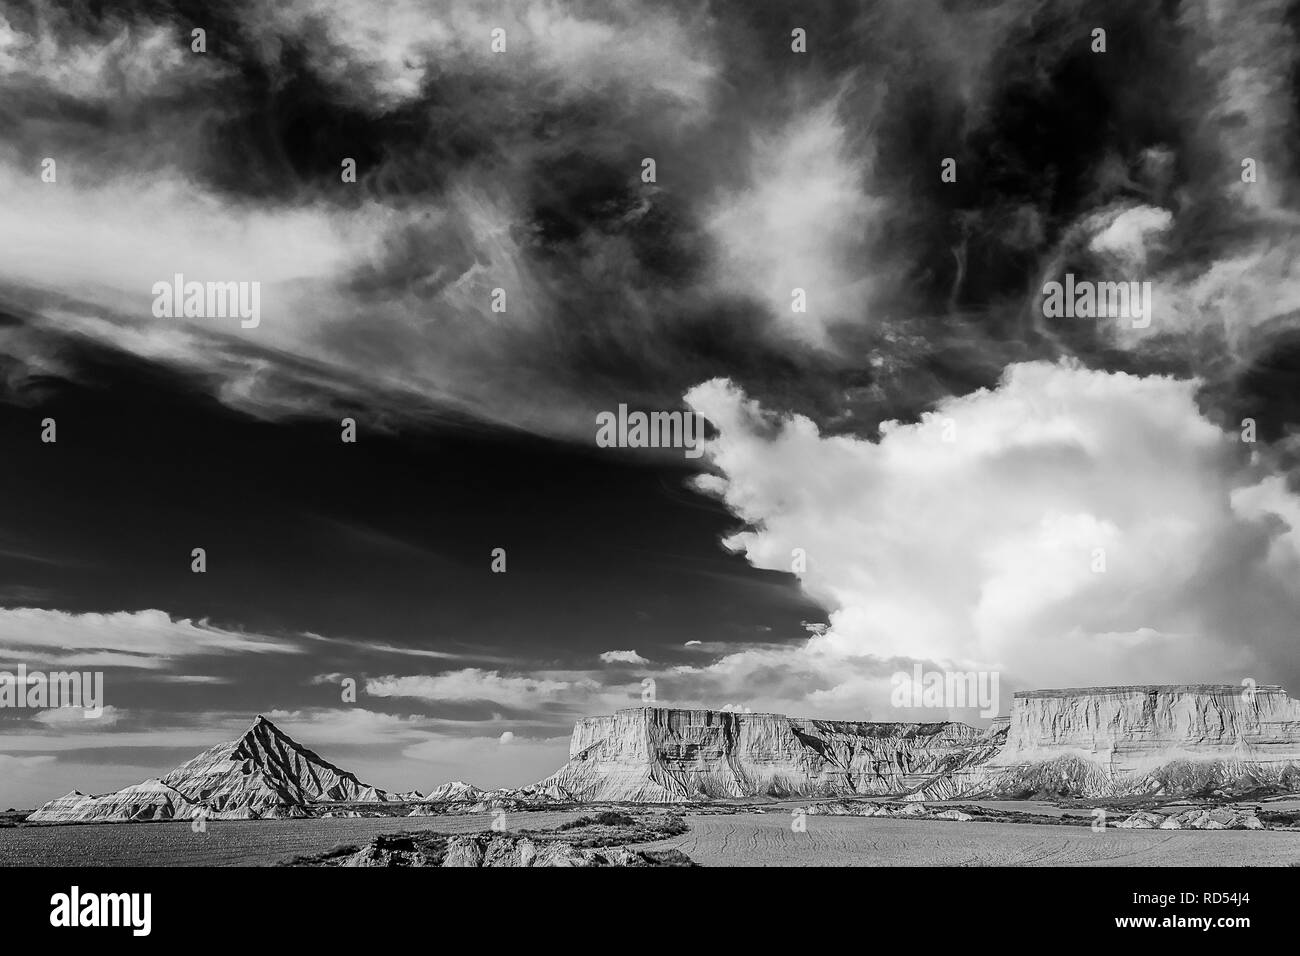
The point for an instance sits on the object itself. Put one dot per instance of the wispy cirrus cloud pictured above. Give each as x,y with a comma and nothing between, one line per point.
147,639
475,684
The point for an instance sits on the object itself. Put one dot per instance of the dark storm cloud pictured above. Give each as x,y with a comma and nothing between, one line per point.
521,171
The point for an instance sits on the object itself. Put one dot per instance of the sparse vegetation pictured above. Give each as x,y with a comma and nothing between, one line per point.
334,852
607,818
1279,818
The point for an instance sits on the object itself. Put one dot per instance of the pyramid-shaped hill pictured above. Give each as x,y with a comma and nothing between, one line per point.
265,773
262,774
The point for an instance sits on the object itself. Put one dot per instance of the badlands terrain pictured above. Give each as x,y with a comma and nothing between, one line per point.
1165,741
1147,775
746,836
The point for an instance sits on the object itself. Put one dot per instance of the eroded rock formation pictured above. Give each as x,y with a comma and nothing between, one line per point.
261,774
1195,818
658,755
1165,740
456,790
265,771
1170,740
150,800
1159,741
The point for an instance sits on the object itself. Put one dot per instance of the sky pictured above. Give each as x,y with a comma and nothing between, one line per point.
922,466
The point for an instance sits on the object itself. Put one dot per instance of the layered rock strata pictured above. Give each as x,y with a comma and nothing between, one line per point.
261,774
658,755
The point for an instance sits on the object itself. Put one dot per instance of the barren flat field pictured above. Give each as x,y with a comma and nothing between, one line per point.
226,842
767,840
745,839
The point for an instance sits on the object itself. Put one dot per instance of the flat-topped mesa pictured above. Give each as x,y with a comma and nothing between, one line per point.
664,755
1106,719
1156,739
1171,740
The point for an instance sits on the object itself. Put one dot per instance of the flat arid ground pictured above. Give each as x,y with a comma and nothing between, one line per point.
741,839
226,842
767,840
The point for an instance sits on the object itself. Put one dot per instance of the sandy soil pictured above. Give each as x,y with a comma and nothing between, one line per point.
767,840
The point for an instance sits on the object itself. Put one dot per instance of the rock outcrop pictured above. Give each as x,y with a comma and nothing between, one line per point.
659,755
1172,740
457,790
261,774
1195,818
605,839
911,810
509,851
481,850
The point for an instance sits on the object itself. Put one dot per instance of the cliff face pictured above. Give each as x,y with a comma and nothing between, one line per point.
1171,740
658,755
261,774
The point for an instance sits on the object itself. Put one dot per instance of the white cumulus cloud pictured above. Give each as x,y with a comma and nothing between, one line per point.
623,657
1069,527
